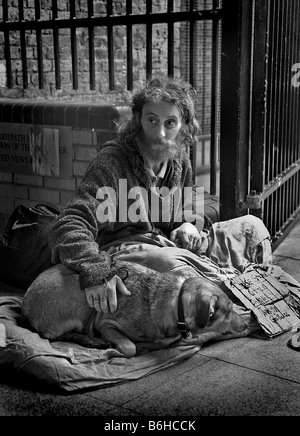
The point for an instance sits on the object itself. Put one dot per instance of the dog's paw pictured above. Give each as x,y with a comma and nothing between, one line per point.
128,348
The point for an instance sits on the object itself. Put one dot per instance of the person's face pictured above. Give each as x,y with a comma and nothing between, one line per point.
161,123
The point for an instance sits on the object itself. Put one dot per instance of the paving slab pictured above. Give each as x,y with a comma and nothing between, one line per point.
290,246
214,349
123,393
22,402
272,356
291,266
219,388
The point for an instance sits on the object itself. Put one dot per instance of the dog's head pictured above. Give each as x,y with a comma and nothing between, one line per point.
208,309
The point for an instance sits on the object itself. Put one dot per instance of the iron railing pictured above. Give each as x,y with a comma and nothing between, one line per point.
275,168
260,120
191,14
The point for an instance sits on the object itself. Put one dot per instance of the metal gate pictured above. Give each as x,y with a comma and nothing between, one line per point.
260,119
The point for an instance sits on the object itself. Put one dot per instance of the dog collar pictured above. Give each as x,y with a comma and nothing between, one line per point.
181,324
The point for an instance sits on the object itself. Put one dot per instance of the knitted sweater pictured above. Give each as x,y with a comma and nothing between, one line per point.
94,217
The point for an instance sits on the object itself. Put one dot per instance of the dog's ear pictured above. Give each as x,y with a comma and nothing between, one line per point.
205,309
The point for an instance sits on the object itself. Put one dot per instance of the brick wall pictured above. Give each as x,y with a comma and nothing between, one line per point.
83,93
203,49
83,128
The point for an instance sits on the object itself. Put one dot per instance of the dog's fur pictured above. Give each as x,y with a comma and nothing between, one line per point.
55,305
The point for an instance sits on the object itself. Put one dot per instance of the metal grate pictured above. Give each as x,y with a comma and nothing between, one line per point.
276,160
109,21
260,120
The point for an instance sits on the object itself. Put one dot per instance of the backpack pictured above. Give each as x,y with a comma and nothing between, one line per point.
24,251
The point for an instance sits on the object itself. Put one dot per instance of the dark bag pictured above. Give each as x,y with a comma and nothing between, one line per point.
24,251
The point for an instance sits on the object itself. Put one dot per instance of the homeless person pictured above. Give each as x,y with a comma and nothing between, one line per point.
137,203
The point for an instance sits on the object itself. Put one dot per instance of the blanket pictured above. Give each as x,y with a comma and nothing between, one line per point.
70,367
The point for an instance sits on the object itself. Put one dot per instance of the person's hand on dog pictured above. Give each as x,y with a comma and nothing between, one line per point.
104,297
187,236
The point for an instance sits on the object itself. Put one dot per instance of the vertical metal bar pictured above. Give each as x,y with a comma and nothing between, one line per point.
287,199
23,46
39,45
280,211
291,199
298,189
286,87
271,96
288,97
91,31
295,205
275,92
292,102
297,112
245,96
229,109
110,48
289,195
296,91
268,166
56,46
170,40
271,111
294,193
277,89
280,85
7,47
148,39
280,201
294,114
269,214
283,91
275,211
272,227
235,107
73,46
214,105
37,8
192,46
283,138
129,48
260,90
280,110
271,90
295,199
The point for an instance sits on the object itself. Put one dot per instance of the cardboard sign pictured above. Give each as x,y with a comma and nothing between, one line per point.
275,305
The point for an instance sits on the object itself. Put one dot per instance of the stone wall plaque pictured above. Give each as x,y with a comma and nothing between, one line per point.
36,150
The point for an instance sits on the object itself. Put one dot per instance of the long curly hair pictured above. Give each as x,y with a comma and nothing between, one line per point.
170,90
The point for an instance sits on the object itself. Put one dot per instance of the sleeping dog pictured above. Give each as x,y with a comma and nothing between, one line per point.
55,307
